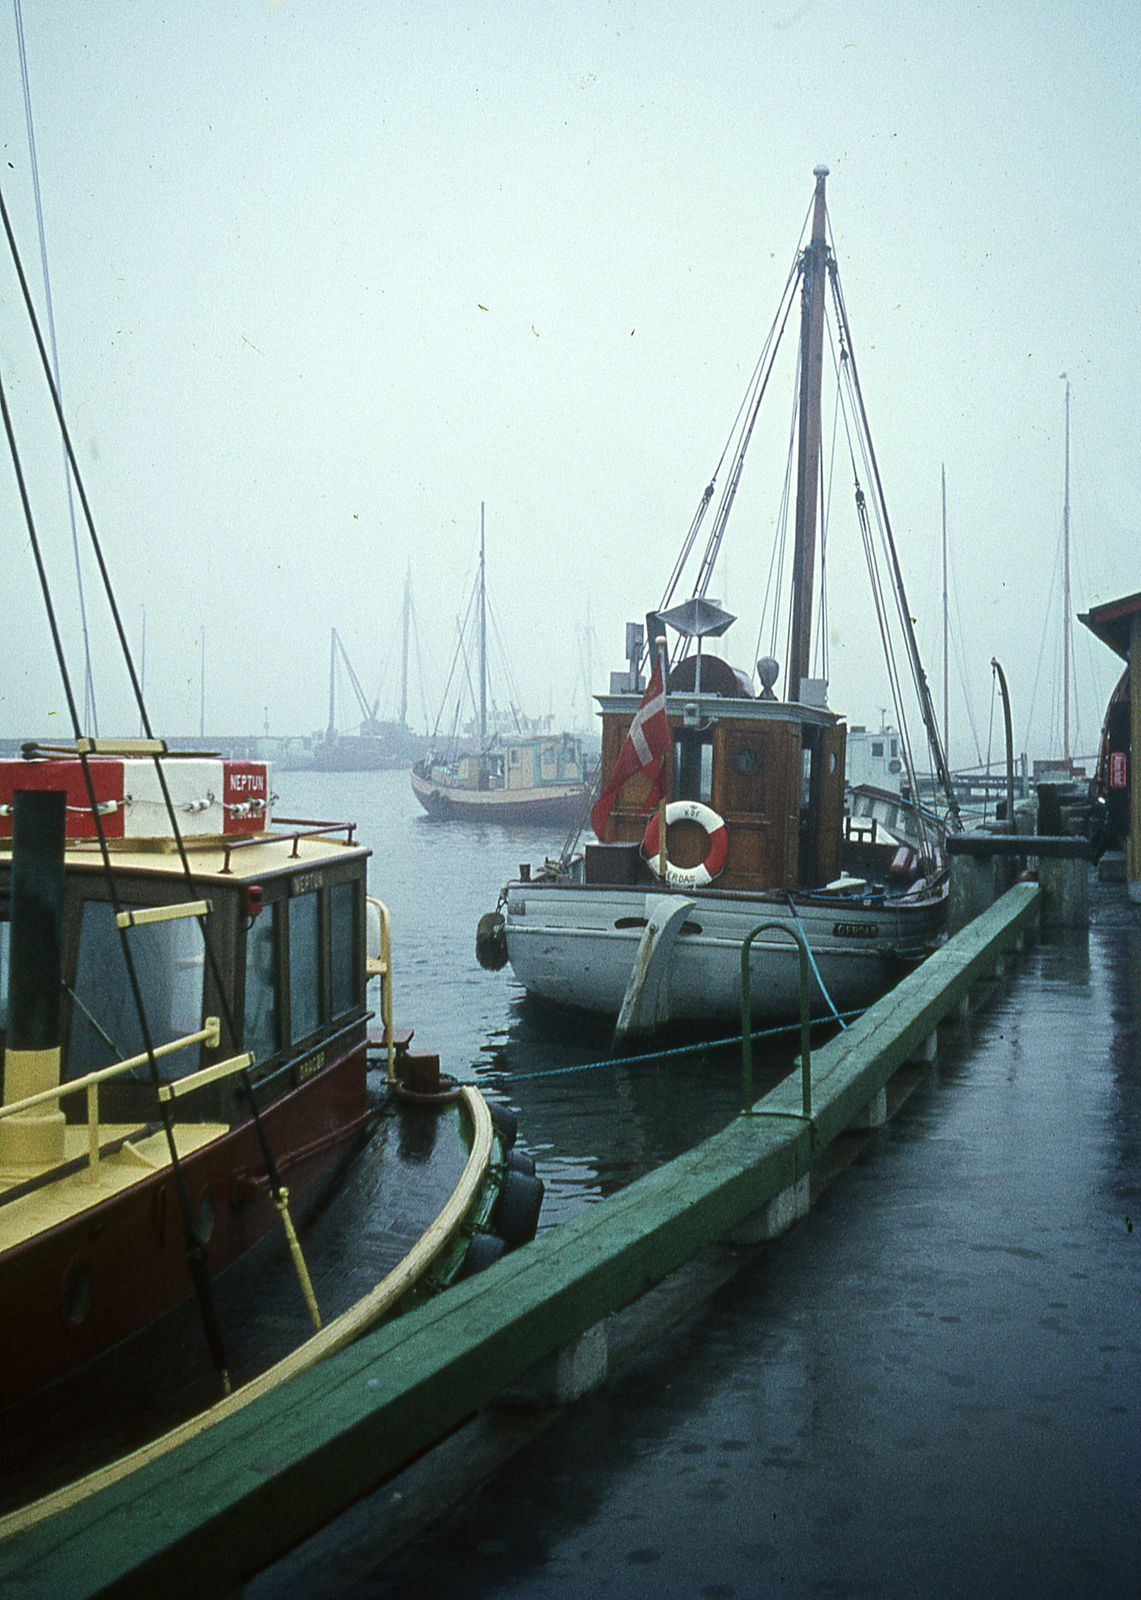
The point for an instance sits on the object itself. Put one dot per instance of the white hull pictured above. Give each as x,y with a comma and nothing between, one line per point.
576,946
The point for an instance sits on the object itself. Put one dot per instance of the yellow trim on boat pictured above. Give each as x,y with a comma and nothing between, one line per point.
140,915
196,1080
340,1333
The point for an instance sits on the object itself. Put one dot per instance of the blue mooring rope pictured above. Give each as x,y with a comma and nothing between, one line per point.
676,1050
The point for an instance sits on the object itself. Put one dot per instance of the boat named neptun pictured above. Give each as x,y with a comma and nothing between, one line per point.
723,807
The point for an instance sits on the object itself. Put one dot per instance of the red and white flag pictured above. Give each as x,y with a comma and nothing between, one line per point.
646,745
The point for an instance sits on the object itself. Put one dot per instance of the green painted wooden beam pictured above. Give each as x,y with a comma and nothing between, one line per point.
219,1508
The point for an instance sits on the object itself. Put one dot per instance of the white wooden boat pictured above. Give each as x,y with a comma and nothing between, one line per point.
753,795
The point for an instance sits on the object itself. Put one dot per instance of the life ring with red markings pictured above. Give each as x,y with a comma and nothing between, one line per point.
705,871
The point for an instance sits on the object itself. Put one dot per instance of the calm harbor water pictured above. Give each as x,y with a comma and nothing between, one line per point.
928,1388
592,1128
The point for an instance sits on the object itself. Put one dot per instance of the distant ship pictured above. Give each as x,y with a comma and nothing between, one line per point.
376,746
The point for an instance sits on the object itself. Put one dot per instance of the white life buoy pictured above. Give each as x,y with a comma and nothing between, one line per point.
705,871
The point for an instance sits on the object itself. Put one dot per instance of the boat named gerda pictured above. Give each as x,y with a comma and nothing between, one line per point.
723,802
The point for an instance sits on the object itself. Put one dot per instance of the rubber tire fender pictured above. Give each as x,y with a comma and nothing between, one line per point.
483,1252
520,1200
506,1122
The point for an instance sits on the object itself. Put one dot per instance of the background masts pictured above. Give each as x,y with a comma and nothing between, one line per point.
404,654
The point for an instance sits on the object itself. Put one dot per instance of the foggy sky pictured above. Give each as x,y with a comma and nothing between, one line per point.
327,275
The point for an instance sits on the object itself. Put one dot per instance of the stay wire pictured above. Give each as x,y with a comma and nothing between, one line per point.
89,707
194,1248
280,1194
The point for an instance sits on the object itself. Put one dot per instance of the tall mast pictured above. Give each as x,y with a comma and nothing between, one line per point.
946,712
1066,594
404,654
814,269
482,637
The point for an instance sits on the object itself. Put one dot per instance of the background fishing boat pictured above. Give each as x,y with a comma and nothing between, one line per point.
506,771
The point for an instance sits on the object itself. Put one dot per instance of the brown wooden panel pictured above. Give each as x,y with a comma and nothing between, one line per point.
830,802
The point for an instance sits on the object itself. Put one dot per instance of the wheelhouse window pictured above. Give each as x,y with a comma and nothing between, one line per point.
304,967
343,947
692,766
5,930
168,962
262,1035
5,927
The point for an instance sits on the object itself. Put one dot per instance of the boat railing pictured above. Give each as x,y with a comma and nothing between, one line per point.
380,966
208,1035
797,936
304,830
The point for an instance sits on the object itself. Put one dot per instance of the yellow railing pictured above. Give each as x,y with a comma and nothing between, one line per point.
208,1035
381,967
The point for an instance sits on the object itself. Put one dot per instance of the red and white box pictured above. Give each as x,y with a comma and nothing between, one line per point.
211,797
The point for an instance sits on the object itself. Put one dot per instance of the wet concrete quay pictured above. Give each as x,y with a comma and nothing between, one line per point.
930,1386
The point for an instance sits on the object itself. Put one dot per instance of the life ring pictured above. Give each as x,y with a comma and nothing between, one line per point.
705,871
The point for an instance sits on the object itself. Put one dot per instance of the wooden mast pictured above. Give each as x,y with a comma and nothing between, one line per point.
814,267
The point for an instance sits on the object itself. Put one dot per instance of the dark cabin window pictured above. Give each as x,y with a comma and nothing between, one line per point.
342,939
692,766
4,936
168,961
262,1038
304,967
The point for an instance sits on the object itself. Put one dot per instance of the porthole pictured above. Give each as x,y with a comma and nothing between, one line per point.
77,1293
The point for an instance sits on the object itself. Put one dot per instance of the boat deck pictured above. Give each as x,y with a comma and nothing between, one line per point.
28,1214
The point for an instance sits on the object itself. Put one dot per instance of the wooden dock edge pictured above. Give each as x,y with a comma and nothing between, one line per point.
209,1515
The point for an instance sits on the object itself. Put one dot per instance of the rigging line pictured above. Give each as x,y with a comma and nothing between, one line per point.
89,709
876,583
918,674
780,540
194,1248
729,494
825,515
456,655
1047,633
960,647
687,546
196,1255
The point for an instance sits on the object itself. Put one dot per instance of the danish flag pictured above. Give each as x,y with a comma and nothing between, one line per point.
646,744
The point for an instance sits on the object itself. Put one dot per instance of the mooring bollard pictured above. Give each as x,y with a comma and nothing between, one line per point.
747,1018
